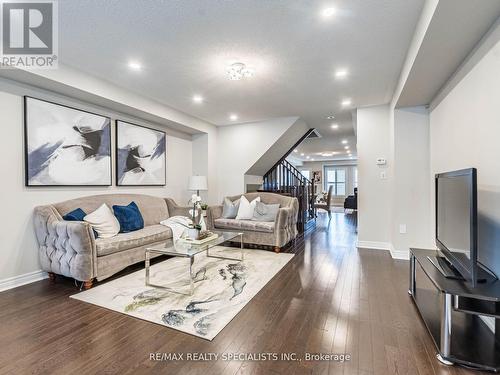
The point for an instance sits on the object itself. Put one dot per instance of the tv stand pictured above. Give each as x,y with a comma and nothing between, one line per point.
451,310
445,267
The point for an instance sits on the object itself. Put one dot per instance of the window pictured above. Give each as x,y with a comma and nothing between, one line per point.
306,173
335,177
355,171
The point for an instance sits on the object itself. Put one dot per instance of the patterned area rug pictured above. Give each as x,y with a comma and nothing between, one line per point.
221,289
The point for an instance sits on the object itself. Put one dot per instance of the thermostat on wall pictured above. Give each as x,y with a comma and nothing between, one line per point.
381,161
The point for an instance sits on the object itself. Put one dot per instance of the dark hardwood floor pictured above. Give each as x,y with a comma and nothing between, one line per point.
331,298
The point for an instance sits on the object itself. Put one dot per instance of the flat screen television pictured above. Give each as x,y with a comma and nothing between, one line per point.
456,220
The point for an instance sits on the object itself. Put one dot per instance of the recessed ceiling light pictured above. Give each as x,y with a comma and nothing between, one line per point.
312,159
346,102
350,157
302,154
331,117
335,126
295,150
341,73
308,157
344,141
134,65
328,12
233,117
198,99
346,147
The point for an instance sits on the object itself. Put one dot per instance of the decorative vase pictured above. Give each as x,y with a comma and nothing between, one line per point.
193,233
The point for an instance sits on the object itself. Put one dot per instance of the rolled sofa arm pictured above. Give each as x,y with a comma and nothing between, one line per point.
175,210
65,247
286,224
213,213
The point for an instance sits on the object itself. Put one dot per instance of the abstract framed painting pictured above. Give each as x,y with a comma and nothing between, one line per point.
65,146
140,155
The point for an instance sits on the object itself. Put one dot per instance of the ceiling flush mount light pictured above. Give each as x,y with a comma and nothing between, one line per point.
341,73
328,12
346,102
198,99
233,117
331,117
238,71
335,126
134,65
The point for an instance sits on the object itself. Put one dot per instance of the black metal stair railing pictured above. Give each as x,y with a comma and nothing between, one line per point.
285,179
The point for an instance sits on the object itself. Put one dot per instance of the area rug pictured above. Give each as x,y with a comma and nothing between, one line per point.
221,289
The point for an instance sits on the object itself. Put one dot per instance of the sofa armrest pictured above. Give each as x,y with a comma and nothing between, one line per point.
213,213
285,218
175,210
65,247
286,223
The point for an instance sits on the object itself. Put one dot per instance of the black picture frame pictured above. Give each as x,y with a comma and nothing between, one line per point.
117,151
26,130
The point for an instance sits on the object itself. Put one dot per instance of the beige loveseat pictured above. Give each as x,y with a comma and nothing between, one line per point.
70,248
274,234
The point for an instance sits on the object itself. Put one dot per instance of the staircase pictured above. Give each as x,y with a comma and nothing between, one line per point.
284,178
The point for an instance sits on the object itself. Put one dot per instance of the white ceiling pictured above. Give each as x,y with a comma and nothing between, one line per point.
185,46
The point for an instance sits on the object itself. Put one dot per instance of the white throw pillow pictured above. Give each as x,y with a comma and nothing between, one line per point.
246,209
103,222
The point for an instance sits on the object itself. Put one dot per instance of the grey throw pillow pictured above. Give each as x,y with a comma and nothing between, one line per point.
265,212
230,209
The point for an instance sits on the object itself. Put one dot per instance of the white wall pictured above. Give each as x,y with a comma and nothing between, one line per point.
374,200
240,146
465,132
19,254
410,191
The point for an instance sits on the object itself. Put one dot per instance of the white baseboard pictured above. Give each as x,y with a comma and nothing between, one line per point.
399,254
386,246
375,245
27,278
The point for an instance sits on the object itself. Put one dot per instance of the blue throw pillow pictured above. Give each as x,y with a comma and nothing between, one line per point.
77,215
129,217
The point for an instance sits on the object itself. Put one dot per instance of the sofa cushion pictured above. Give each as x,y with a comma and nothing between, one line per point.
124,241
246,208
75,215
129,217
103,222
265,212
230,208
255,226
153,209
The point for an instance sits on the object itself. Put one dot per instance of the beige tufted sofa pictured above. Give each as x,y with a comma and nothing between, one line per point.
275,234
69,248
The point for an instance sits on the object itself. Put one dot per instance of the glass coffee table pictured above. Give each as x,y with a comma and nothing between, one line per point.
184,249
